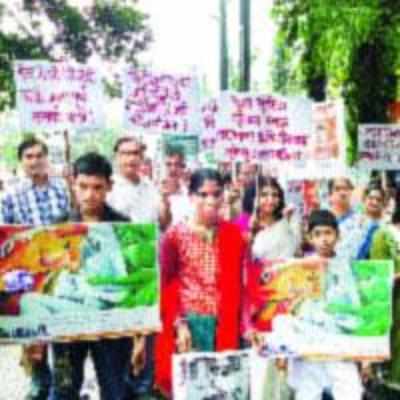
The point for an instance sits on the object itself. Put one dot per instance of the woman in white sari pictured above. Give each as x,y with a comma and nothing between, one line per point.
276,235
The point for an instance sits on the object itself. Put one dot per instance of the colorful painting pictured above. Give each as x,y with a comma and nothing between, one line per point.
77,279
274,289
343,312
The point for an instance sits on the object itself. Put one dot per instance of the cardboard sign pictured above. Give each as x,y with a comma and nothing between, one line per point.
161,102
379,146
263,128
57,96
326,151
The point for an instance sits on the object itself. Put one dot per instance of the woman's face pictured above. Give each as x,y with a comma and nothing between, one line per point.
269,200
207,201
374,203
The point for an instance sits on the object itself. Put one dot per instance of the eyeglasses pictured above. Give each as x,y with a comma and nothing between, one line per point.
130,153
204,195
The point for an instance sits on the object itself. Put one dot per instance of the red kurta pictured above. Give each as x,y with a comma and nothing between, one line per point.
229,252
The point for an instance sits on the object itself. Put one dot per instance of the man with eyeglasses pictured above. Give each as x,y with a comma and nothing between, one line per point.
132,195
138,199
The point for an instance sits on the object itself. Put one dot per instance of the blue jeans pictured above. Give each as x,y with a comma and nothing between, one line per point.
111,360
143,383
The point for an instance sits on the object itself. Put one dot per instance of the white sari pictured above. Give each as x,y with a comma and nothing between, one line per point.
278,241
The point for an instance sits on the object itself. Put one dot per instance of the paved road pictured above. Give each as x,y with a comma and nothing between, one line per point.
15,383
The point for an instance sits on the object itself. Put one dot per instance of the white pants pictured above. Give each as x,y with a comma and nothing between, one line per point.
310,378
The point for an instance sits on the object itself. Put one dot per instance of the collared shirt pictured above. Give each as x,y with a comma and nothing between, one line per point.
140,202
28,204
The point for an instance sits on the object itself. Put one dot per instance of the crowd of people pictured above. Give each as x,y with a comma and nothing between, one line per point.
212,224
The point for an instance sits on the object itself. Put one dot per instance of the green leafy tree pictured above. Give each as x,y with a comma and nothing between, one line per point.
54,30
348,49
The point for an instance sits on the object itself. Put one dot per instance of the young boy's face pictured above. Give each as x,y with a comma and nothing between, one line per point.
324,239
90,193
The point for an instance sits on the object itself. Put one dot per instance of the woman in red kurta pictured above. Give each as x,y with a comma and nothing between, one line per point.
200,280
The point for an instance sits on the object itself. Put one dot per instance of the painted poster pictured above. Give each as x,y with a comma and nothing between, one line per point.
378,146
186,144
205,376
302,196
77,280
342,313
306,195
263,128
161,102
326,150
57,96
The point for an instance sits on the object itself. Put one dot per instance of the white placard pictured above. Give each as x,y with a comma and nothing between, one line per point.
161,102
57,96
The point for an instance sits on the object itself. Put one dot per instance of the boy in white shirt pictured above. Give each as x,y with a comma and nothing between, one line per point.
310,379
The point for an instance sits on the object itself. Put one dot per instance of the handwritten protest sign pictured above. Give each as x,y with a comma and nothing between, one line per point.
201,376
77,279
209,113
326,148
263,128
379,146
161,102
344,313
56,96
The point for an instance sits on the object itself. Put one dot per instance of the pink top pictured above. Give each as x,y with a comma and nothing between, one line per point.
243,222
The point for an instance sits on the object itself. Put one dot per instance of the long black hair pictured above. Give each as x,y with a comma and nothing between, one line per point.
249,198
199,176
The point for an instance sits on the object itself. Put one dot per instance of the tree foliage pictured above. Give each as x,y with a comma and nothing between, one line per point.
54,29
346,48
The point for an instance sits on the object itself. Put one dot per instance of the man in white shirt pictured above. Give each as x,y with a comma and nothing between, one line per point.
132,195
180,205
138,199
